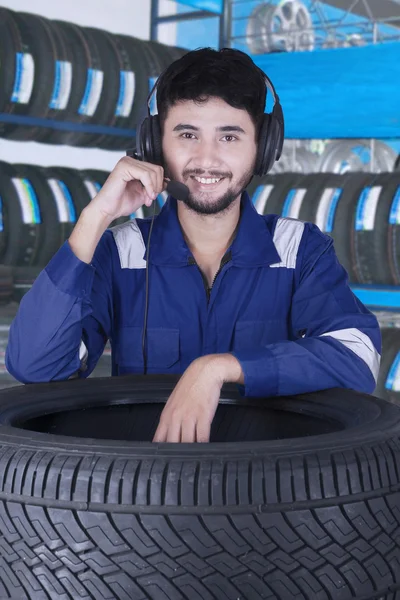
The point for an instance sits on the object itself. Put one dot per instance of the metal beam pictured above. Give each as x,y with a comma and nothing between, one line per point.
188,16
376,9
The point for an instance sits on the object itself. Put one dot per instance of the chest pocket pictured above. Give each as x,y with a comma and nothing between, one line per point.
253,334
162,349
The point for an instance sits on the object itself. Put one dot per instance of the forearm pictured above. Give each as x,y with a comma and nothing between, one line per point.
308,365
87,233
227,368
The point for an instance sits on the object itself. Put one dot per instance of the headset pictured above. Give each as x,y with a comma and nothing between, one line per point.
149,149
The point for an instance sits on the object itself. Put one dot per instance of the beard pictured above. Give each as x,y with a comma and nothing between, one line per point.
202,204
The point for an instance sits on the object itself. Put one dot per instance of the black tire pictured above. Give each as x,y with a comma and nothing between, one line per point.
321,193
394,233
110,67
295,197
389,373
23,232
54,231
10,48
74,182
78,54
345,221
37,40
295,497
371,244
270,200
133,61
123,65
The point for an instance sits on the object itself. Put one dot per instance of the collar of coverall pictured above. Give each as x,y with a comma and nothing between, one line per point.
252,247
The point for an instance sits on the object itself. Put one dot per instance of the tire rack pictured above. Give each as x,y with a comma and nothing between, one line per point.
379,298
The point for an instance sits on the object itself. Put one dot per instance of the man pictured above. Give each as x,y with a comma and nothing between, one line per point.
234,296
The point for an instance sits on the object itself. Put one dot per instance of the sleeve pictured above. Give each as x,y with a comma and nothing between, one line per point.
337,339
64,320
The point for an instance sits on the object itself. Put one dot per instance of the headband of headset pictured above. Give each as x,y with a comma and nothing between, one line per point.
270,141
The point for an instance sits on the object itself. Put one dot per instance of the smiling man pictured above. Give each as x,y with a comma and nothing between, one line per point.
234,296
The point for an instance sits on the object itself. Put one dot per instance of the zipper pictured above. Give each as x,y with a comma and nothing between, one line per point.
225,259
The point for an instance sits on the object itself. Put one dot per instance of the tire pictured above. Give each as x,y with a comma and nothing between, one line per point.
295,497
10,47
133,64
78,55
75,185
54,231
38,41
269,192
294,199
345,221
394,232
388,385
110,67
23,231
371,245
319,193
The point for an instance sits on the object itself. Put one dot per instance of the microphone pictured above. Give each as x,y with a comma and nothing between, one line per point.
178,190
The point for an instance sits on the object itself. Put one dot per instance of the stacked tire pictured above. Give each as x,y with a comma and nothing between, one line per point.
39,207
361,211
74,76
388,386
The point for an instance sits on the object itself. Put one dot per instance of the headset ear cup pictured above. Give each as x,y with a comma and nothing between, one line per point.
263,144
156,140
269,145
142,136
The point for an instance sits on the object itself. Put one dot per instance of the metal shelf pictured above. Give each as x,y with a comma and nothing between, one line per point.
208,8
66,125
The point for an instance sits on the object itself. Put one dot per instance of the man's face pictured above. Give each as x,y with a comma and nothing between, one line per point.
212,140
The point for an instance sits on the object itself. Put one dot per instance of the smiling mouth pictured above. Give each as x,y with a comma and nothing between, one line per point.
207,182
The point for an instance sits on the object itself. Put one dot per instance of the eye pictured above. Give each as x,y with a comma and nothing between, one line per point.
232,137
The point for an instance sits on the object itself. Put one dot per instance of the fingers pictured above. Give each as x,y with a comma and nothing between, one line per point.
186,432
151,176
168,432
203,431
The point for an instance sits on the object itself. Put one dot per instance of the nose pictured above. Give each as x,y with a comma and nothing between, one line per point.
206,157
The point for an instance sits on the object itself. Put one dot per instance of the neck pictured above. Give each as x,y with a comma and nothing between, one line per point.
209,235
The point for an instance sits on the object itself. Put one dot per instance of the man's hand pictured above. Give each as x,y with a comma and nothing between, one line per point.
189,411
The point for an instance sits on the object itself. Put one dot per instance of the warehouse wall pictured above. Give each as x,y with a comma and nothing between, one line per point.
129,17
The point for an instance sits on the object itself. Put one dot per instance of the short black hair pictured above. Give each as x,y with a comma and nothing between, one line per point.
227,73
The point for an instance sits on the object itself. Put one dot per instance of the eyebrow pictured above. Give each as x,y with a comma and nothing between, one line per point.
224,129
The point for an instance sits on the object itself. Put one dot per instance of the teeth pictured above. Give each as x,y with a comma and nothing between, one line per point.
203,180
